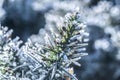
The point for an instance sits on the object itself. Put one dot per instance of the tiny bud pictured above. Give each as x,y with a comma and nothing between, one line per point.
64,29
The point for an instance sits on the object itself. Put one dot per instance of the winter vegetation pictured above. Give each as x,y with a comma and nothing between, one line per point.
60,40
49,58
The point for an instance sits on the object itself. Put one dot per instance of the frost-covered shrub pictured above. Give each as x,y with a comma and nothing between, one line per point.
59,47
51,57
14,65
9,59
102,20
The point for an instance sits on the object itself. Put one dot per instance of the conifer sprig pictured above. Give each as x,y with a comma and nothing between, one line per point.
60,48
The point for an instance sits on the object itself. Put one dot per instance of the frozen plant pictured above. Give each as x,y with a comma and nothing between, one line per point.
13,64
9,57
59,48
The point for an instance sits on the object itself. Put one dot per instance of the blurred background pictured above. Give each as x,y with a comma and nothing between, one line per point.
27,17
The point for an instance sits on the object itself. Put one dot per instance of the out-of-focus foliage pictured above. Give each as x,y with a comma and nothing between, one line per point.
22,18
2,11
